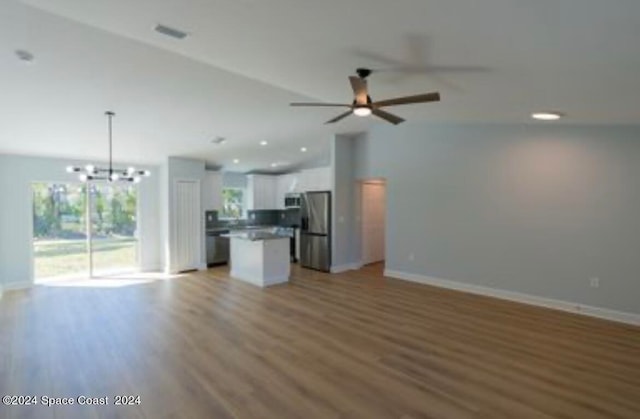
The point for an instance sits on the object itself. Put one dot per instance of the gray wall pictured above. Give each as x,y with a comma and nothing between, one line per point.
535,209
344,249
234,180
16,214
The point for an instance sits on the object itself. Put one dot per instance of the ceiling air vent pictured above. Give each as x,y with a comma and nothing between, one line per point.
174,33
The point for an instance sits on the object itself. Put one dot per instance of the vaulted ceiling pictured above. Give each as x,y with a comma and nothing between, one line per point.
494,61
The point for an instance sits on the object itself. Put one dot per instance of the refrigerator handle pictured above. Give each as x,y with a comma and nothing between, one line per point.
304,224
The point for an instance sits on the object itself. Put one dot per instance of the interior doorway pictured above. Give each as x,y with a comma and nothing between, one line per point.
83,230
373,221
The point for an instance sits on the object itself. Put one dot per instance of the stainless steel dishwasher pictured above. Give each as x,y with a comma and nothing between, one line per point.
217,248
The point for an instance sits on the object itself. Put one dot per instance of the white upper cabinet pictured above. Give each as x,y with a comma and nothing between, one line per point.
318,179
261,192
212,191
285,184
268,192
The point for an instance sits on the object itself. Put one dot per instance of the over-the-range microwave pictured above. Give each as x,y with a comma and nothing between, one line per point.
292,200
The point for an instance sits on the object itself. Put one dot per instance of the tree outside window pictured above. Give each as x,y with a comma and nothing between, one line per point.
232,203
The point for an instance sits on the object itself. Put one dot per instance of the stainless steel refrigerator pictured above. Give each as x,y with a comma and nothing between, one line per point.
315,230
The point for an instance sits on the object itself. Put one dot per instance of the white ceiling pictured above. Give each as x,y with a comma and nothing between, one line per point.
246,59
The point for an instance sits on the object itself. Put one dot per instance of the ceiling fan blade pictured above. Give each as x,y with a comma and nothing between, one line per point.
427,97
339,117
319,104
359,86
395,120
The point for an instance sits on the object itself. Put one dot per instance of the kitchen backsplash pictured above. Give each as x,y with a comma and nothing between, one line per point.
290,217
263,217
285,218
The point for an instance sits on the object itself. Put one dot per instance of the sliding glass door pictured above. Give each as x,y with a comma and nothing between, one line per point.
84,229
114,245
59,230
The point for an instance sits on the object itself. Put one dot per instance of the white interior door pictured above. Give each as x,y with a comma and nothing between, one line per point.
187,225
373,222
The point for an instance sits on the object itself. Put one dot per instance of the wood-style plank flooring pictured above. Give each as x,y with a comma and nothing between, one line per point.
353,345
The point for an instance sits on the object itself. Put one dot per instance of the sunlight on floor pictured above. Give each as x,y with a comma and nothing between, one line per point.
110,281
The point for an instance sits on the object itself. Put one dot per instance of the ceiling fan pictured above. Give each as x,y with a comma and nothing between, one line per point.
363,105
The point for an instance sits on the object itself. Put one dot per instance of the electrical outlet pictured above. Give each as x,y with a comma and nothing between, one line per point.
411,256
594,282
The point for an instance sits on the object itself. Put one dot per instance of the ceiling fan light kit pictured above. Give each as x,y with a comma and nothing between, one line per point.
362,111
547,116
363,105
91,172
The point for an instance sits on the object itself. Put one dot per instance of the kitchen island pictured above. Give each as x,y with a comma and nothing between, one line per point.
260,257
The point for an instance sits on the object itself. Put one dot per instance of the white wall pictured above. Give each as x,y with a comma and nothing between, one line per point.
16,214
534,209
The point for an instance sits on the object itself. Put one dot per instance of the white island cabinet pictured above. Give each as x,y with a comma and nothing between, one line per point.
260,258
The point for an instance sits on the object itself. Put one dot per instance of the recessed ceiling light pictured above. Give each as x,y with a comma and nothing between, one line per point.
263,142
236,161
24,55
274,164
547,116
172,32
303,149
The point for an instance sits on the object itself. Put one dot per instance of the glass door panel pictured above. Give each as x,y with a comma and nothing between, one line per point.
59,230
114,243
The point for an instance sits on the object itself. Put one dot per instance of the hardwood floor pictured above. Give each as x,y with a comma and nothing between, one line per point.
353,345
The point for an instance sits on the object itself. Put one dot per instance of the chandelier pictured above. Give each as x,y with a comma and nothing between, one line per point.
92,172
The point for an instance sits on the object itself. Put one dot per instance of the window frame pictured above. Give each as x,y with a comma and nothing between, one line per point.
243,204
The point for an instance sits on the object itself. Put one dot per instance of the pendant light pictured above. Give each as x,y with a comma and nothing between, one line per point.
93,172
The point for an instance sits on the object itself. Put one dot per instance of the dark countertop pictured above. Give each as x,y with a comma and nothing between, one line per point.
255,235
227,229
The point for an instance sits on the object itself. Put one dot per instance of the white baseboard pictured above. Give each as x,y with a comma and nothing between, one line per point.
152,268
603,313
346,267
12,286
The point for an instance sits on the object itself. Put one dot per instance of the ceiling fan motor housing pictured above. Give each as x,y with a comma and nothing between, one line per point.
363,72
